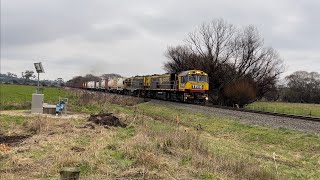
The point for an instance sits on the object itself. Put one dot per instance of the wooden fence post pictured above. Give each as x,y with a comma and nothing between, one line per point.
69,173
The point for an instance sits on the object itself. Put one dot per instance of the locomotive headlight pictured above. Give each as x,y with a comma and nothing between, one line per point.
207,98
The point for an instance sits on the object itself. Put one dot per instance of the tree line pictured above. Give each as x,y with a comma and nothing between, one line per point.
299,87
28,78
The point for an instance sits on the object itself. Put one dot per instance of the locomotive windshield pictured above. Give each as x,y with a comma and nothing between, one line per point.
202,78
194,78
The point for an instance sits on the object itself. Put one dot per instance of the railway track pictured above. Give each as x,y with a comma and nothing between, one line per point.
299,123
309,118
277,120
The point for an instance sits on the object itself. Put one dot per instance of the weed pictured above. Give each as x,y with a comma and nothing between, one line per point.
186,160
124,133
207,175
85,167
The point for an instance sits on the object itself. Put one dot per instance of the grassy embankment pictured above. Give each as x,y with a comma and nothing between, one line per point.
287,108
20,96
160,142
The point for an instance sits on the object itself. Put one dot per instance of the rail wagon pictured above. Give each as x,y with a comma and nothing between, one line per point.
84,85
120,84
116,85
112,84
104,85
134,85
90,85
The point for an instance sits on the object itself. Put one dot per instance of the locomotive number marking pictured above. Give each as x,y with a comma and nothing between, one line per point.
197,87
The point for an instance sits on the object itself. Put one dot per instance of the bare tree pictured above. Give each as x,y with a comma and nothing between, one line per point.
182,58
213,41
263,64
228,55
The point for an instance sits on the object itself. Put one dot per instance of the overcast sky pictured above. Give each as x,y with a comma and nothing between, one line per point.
75,37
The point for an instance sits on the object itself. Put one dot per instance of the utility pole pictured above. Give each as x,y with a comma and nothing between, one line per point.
38,85
39,69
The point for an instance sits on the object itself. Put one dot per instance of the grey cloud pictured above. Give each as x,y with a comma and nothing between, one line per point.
34,21
130,37
88,65
111,34
161,25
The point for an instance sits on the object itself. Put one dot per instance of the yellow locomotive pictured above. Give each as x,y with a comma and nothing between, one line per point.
187,86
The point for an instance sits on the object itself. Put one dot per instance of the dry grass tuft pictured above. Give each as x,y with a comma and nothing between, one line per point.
181,152
35,126
100,98
141,173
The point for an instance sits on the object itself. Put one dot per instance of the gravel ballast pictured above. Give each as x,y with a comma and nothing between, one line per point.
249,118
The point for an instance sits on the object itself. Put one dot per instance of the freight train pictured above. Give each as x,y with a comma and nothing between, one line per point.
188,86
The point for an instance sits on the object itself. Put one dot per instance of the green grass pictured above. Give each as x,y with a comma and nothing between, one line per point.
287,108
20,96
299,152
157,144
7,123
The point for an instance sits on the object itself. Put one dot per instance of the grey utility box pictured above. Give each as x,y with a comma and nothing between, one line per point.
37,103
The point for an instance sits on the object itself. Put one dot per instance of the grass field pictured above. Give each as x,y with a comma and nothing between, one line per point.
287,108
160,142
19,96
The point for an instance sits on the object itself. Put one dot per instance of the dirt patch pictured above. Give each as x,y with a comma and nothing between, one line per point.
106,119
77,149
4,147
12,140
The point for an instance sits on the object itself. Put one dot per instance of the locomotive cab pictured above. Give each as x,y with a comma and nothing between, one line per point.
194,85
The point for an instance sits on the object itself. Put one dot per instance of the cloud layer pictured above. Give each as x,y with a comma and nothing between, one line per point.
129,37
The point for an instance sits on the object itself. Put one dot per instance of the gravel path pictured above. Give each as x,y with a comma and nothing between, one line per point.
250,118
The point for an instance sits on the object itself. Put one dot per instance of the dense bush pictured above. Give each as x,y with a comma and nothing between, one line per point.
240,92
